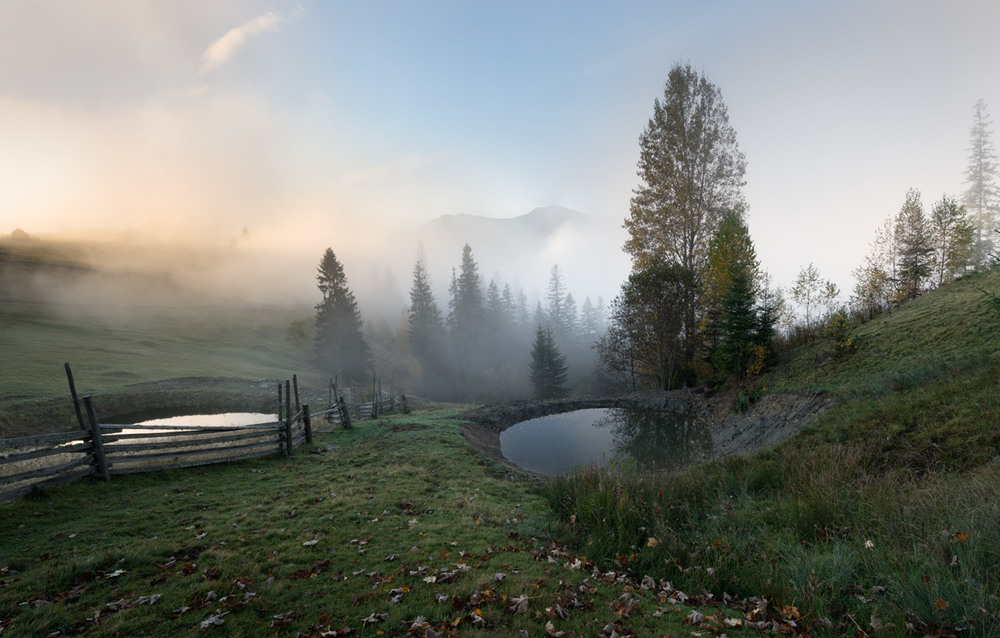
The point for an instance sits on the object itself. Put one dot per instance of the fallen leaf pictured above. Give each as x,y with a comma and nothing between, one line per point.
282,620
941,604
519,605
694,618
214,619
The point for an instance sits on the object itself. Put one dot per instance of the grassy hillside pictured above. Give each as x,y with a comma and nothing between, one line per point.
881,518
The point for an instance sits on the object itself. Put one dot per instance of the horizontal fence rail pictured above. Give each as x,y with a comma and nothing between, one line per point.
111,449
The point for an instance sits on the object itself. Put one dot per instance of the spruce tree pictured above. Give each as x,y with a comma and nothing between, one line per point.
426,328
341,348
982,198
914,242
548,367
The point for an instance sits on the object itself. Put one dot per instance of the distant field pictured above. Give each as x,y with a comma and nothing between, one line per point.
109,355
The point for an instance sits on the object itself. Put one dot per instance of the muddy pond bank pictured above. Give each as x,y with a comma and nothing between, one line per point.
768,421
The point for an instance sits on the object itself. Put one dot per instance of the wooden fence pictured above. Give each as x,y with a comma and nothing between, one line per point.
105,450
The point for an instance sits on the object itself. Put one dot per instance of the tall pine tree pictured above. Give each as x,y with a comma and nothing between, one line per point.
341,348
548,367
426,328
982,198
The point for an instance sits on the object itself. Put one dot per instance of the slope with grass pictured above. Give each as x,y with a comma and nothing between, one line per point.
880,517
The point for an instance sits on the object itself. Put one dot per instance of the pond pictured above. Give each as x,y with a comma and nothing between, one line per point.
212,420
655,440
170,417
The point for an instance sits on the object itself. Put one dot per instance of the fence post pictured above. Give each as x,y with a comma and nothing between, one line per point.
279,403
76,399
295,384
345,415
95,438
307,423
289,443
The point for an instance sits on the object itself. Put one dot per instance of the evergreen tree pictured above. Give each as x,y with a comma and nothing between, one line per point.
913,240
692,171
590,321
426,328
555,313
467,298
570,321
341,348
730,253
982,198
548,367
739,330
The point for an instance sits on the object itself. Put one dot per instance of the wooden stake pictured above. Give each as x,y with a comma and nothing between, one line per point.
76,399
100,461
307,423
295,384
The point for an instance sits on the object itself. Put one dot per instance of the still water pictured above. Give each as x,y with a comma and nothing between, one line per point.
562,443
212,420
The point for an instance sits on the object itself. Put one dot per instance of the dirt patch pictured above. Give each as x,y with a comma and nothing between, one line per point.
770,420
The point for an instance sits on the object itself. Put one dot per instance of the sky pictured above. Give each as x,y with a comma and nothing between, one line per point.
324,123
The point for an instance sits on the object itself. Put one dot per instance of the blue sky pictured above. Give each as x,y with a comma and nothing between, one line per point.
300,119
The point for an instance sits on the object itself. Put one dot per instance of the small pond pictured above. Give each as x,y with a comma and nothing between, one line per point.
562,443
212,420
165,417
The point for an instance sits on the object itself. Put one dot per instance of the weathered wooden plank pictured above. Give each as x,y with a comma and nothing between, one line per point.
118,460
62,478
46,471
118,446
178,466
41,439
37,454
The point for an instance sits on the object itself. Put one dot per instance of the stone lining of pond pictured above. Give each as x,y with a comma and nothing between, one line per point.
770,420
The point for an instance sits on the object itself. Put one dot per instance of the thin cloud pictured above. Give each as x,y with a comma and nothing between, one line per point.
222,50
395,167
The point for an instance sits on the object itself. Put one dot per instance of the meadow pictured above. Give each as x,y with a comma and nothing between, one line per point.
879,518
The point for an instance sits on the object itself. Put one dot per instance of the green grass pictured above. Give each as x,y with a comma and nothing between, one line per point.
403,521
881,516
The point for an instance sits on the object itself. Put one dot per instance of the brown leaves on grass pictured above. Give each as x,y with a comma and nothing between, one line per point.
316,569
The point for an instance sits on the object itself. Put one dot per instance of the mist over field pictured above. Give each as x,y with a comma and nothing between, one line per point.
125,275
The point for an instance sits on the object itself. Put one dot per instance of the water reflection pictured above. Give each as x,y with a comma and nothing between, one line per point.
657,440
561,443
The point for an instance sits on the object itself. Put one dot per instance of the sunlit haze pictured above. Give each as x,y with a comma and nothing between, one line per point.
319,124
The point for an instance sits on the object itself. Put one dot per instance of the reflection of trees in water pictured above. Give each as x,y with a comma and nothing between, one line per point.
657,440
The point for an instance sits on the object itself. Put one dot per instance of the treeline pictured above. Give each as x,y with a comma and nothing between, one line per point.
477,347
